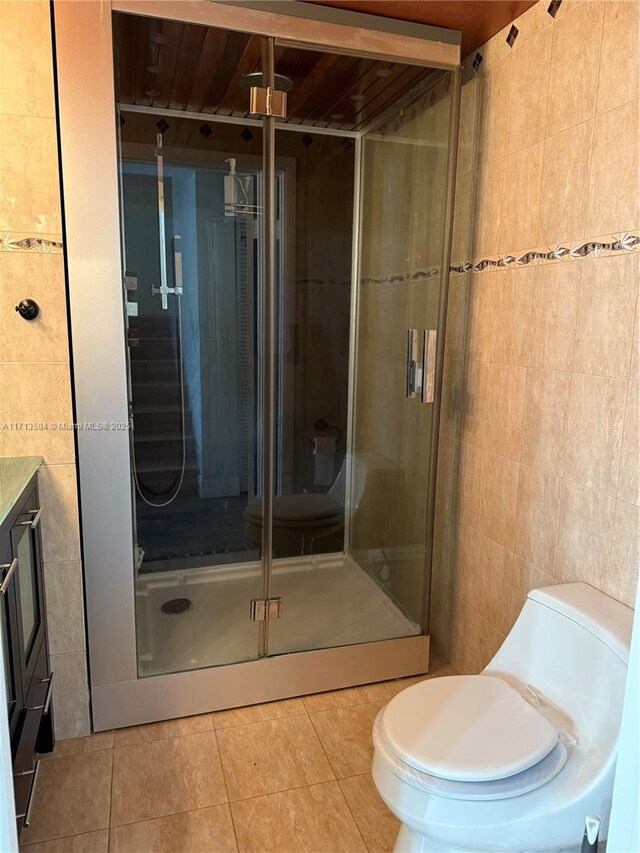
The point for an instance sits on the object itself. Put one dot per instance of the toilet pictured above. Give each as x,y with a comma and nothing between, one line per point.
515,758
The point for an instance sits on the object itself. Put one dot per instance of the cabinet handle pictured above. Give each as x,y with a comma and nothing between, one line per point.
34,782
47,699
35,521
10,567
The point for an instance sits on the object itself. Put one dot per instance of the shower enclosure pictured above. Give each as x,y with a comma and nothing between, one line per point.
259,315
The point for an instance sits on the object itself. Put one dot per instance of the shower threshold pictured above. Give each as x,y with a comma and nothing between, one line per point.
327,601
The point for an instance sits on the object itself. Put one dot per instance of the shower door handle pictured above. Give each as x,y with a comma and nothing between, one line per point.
414,362
429,365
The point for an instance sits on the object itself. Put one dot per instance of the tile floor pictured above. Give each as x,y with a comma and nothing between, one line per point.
287,776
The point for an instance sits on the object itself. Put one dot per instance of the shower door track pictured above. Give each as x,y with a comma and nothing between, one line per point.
84,63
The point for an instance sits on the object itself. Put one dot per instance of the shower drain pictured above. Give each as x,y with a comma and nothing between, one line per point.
176,605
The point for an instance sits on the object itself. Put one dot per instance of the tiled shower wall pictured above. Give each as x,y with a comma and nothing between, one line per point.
35,388
539,478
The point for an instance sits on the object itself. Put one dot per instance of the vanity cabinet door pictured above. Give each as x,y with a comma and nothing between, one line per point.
9,639
25,546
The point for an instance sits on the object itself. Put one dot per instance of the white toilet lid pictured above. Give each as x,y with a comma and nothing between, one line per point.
467,728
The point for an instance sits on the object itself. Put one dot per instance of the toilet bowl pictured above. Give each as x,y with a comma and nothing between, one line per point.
515,758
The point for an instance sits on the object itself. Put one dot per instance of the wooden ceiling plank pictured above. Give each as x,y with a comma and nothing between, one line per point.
403,83
169,55
145,55
251,60
223,72
191,47
210,53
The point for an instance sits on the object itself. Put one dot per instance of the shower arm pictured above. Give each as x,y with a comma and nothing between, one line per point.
164,289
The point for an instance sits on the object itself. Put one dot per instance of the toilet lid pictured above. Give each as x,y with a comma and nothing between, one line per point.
467,728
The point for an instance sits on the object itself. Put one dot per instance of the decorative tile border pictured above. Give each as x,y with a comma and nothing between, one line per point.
17,243
602,247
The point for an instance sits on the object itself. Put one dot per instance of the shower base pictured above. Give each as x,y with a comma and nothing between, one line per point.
327,601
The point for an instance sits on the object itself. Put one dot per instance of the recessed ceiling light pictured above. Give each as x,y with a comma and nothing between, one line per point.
151,93
357,97
337,116
384,72
158,38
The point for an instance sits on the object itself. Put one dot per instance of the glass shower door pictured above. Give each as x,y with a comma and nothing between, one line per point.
402,235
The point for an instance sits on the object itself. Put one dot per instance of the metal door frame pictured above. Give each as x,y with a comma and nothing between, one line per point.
89,173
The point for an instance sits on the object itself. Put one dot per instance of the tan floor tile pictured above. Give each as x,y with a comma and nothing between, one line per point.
345,698
73,796
88,842
164,729
346,737
258,713
270,756
166,776
200,831
308,820
378,826
77,745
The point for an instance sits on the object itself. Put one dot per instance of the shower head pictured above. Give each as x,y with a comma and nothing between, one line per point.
256,78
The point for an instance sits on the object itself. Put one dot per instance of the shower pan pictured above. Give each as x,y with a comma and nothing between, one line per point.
270,263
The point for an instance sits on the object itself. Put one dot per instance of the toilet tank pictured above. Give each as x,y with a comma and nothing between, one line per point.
570,644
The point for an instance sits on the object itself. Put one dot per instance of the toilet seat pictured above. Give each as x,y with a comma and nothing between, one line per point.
468,737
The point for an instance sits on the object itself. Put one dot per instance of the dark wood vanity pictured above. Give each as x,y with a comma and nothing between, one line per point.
23,628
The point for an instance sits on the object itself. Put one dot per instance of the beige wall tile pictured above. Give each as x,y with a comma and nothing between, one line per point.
455,343
315,818
526,578
553,315
59,497
26,67
499,496
38,276
73,797
604,333
618,81
624,563
629,479
467,479
546,412
614,196
480,313
19,437
537,517
494,565
505,409
511,315
565,182
529,89
634,370
577,37
470,105
378,826
70,695
486,213
165,777
594,432
519,210
464,216
532,22
30,200
36,392
465,575
494,84
65,607
453,395
447,452
197,831
584,536
473,404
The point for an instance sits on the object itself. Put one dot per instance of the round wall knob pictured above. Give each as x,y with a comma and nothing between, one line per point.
28,309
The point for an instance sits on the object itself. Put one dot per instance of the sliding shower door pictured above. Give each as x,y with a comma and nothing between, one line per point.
398,354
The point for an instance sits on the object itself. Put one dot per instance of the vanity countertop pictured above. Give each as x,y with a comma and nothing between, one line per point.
15,473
